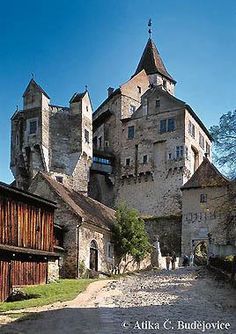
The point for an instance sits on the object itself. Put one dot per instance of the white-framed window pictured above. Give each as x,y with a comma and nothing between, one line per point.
191,129
179,152
32,126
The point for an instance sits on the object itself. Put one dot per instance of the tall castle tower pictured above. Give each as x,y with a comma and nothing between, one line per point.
53,139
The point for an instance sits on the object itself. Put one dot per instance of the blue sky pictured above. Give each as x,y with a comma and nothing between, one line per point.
70,44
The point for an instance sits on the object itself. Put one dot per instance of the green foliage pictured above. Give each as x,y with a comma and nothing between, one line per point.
224,136
64,289
129,235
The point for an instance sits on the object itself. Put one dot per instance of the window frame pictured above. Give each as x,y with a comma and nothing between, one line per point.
131,132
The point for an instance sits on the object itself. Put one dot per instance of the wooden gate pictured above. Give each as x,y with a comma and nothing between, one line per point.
5,281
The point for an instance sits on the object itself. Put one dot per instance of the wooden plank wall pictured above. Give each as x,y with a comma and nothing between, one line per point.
28,273
5,284
25,225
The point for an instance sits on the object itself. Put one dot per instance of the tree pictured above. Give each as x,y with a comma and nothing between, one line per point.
129,235
224,136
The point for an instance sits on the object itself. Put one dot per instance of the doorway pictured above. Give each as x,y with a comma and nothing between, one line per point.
201,253
93,263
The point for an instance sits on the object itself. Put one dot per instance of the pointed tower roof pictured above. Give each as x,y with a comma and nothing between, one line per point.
207,175
151,61
36,86
77,97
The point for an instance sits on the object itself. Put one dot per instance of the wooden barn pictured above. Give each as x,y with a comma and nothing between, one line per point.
26,239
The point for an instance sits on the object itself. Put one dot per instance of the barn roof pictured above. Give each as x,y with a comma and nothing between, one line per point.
207,175
92,211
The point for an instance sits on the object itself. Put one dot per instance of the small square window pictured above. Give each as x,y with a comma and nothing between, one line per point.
86,136
145,159
203,198
32,127
127,162
130,132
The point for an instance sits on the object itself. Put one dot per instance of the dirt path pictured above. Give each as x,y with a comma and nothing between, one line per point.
162,302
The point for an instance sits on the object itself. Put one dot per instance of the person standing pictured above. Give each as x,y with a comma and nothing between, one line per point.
168,260
173,260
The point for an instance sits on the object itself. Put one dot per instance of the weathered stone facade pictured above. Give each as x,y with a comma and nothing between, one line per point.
152,147
209,212
53,139
83,221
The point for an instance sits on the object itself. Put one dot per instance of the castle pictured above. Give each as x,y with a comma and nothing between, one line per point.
140,145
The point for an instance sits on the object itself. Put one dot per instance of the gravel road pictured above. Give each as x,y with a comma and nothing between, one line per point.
181,301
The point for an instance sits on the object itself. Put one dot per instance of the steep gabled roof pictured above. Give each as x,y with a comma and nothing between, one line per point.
35,85
91,210
207,175
151,61
77,97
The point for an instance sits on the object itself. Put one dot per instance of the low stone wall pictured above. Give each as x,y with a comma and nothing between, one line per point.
131,265
167,230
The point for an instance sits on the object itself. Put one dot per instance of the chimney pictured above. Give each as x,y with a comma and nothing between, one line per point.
110,90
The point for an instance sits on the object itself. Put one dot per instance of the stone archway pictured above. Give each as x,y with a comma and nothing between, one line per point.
93,259
200,251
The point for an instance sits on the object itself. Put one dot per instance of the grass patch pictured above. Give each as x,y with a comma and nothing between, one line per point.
63,290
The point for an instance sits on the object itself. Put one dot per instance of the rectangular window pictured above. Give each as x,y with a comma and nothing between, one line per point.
163,126
208,149
139,89
179,152
158,103
191,129
132,109
167,125
130,132
95,142
203,198
164,84
110,250
100,142
32,127
86,136
145,159
169,156
186,152
171,124
201,140
127,162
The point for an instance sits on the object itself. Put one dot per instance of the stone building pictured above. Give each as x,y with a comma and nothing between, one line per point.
53,139
83,227
147,144
209,212
51,154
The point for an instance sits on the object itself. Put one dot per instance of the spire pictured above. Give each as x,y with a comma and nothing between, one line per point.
33,84
150,28
151,60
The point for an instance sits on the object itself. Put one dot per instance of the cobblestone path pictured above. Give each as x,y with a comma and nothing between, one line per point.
153,302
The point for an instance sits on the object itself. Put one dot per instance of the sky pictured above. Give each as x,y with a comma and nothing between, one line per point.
70,44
